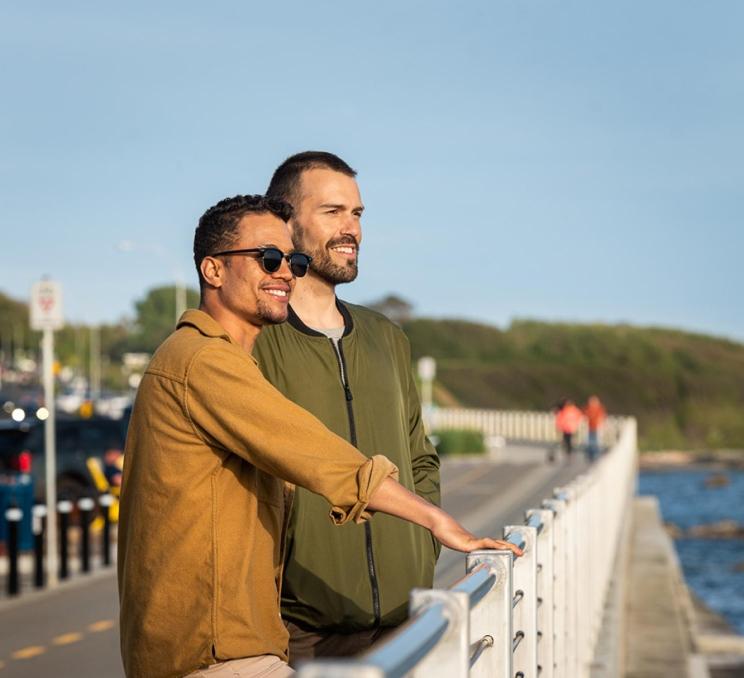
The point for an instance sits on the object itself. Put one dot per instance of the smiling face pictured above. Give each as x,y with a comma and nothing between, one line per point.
326,224
245,291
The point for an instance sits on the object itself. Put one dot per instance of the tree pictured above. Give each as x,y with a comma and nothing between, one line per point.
156,317
395,308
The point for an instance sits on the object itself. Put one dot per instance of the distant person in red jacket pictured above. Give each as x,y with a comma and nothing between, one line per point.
568,417
595,414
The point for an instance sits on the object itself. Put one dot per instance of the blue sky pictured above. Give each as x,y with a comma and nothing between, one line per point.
558,160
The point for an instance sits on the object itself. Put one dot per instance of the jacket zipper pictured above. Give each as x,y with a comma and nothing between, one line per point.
372,570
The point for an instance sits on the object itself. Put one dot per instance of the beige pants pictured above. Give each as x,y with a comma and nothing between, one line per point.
250,667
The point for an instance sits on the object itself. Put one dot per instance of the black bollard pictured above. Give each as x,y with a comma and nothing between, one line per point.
64,509
13,516
106,500
86,506
39,513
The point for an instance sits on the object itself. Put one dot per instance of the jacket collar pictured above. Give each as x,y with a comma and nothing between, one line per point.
205,323
294,320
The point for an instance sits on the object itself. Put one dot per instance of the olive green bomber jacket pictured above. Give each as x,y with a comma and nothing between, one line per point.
354,577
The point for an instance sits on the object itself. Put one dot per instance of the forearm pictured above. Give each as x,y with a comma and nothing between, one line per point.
391,497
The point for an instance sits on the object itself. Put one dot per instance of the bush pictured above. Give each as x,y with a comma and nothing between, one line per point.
459,441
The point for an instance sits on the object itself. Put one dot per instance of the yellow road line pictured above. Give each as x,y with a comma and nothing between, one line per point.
103,625
29,652
67,638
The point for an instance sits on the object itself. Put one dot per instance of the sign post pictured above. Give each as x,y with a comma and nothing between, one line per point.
46,315
427,370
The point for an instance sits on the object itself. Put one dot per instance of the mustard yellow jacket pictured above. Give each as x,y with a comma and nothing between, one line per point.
202,504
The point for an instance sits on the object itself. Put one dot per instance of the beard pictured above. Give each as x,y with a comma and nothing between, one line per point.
270,314
322,264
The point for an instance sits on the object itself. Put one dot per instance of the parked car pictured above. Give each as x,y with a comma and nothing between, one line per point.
22,451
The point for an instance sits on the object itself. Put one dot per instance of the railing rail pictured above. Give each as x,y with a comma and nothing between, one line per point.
517,425
537,615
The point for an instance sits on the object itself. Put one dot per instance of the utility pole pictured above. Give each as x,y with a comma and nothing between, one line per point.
94,384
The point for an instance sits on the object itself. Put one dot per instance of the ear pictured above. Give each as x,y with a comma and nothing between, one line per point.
212,271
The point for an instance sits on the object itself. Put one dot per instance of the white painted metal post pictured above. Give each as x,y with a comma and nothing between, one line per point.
450,658
545,592
493,615
525,599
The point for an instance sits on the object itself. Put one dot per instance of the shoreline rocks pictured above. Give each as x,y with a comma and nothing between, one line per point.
713,459
722,529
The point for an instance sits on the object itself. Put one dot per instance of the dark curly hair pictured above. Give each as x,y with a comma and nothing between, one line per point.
286,179
218,226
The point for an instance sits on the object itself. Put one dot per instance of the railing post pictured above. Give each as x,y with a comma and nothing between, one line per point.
493,616
524,583
545,592
450,657
558,508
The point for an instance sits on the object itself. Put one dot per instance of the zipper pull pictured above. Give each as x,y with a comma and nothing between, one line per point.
347,391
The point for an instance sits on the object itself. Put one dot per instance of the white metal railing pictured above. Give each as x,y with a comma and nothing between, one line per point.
537,615
516,425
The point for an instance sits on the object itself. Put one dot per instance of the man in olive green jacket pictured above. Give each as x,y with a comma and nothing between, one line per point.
202,505
350,367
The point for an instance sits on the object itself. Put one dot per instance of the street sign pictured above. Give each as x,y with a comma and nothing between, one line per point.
46,306
427,368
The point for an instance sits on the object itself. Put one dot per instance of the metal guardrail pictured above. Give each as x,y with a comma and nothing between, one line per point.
518,425
537,615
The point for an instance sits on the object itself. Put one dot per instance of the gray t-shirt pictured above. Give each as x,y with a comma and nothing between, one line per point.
335,334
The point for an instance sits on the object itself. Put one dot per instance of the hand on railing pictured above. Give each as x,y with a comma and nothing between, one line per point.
391,497
453,535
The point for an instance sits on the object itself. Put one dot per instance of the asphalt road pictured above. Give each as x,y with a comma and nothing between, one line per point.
73,631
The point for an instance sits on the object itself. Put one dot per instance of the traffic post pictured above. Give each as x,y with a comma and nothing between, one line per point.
106,501
86,506
46,315
39,513
13,515
64,508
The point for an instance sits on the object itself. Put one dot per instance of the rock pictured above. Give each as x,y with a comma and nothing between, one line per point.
674,531
724,529
717,480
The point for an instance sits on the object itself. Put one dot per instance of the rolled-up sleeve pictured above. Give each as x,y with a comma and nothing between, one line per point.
234,408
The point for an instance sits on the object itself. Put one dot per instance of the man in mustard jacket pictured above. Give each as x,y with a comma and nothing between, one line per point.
201,519
351,368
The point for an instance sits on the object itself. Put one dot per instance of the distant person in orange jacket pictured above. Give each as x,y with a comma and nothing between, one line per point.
567,420
595,414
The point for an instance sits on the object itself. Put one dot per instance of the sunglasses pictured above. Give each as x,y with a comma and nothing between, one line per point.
271,259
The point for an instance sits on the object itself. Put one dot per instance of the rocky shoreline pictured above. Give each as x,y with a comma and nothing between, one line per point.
673,459
722,529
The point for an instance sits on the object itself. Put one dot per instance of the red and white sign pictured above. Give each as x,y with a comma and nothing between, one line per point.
46,306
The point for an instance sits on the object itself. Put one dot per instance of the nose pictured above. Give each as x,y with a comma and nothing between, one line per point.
352,227
283,272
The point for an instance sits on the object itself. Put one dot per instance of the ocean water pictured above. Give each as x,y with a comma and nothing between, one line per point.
709,565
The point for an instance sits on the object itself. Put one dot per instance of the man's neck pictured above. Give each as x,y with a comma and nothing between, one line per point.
242,332
314,301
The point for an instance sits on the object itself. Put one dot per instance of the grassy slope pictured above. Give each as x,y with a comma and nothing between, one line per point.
686,389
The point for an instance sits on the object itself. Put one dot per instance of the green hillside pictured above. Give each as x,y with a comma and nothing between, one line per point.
687,390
